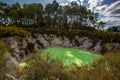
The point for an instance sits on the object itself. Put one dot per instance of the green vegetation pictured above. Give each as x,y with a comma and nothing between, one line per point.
102,70
113,29
24,64
107,68
69,20
3,59
44,70
3,50
95,35
13,31
53,14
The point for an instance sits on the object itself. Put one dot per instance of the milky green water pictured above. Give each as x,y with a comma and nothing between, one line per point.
70,56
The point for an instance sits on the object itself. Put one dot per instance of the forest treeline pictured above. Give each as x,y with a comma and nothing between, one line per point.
52,14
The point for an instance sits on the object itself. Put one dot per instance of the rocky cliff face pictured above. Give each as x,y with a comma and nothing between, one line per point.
22,46
10,68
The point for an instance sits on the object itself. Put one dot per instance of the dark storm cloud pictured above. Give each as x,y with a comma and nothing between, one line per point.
117,11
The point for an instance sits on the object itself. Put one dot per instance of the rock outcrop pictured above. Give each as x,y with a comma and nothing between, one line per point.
23,46
10,68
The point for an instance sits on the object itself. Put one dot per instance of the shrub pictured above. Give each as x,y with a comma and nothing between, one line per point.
105,37
3,59
107,68
13,31
46,70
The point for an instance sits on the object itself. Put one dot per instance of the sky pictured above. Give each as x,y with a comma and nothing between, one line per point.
108,9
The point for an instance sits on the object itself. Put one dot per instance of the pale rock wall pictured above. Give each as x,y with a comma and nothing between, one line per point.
42,41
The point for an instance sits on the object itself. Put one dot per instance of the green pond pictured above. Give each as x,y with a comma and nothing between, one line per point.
68,56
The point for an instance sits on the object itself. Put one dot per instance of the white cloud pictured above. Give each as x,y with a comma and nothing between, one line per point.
94,3
72,0
78,1
100,9
111,13
108,11
63,4
112,10
111,21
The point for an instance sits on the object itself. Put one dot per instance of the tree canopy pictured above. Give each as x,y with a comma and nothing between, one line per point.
53,14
